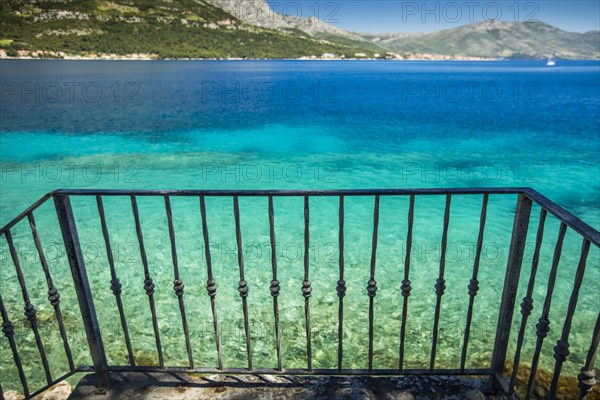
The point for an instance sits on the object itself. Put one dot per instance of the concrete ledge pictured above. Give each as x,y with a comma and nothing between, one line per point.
174,386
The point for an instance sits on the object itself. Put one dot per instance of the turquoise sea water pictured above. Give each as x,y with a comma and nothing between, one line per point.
298,125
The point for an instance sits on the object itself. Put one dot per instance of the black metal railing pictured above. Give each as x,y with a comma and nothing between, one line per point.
496,372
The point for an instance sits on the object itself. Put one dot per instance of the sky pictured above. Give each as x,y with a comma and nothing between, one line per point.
379,16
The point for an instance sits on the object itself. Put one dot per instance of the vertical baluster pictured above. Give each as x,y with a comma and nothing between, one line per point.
243,285
474,283
561,350
275,288
30,311
372,284
306,285
406,288
115,283
440,285
510,287
53,295
527,304
178,285
9,331
70,237
543,325
341,286
211,285
587,376
148,282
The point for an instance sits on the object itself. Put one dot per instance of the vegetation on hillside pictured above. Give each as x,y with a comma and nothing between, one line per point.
166,28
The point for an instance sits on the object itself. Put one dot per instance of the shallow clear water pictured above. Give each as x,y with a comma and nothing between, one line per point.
298,125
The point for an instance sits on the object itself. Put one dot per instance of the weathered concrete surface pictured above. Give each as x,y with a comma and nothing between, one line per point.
170,386
60,391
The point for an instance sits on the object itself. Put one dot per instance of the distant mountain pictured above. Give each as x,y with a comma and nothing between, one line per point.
498,39
249,28
489,39
258,13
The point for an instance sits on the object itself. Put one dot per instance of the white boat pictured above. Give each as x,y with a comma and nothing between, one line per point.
550,62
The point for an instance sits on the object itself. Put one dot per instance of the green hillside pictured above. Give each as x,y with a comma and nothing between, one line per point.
166,28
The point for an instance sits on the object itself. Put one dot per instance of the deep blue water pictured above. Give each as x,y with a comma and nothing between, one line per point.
299,125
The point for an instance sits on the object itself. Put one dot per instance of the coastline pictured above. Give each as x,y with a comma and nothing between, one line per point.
388,56
248,59
425,57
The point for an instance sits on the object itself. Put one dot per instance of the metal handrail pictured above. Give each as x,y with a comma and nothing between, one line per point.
526,198
573,222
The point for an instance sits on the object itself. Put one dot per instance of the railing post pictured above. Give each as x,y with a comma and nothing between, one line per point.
66,220
511,284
